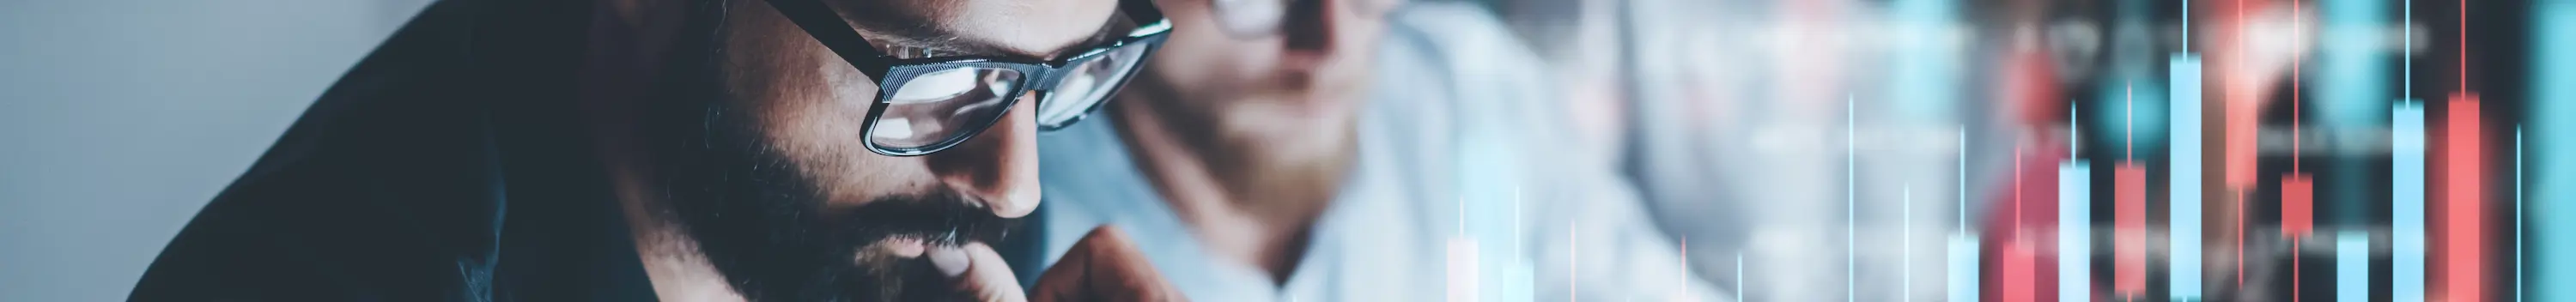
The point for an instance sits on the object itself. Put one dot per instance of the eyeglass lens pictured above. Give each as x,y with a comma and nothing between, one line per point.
941,105
1087,85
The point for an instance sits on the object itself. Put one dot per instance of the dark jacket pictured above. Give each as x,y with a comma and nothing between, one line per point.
447,166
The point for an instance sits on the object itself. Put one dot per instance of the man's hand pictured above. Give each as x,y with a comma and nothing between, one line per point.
1104,266
985,276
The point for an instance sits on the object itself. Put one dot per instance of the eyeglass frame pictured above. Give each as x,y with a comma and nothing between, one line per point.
1040,75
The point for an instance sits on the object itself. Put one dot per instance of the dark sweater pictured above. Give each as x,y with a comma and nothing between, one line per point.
449,165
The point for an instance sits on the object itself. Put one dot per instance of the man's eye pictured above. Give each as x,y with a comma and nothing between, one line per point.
936,86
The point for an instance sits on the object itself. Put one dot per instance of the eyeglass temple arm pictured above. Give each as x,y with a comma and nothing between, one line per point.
826,26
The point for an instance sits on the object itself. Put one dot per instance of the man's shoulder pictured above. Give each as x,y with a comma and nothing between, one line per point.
1460,51
315,227
1453,69
1456,32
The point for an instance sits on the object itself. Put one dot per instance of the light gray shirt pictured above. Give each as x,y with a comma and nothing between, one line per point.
1463,187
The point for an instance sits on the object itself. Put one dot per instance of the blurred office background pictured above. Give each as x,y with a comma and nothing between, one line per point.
120,118
1815,150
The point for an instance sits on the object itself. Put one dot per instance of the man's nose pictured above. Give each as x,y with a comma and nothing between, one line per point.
1310,26
1000,165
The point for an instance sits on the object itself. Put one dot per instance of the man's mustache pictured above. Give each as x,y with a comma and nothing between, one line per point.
947,218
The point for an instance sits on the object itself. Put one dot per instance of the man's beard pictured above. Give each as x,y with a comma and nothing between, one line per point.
776,242
767,227
774,239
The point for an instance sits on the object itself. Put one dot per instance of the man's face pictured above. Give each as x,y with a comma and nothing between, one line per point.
1313,70
758,151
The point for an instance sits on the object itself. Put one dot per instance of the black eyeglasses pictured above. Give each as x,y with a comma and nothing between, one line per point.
929,104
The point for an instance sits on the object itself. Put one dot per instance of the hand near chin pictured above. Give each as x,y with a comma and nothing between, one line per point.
1104,266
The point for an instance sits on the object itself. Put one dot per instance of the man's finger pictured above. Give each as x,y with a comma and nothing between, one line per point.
985,274
1104,266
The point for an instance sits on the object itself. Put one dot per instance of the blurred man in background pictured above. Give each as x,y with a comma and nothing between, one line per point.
1354,150
627,150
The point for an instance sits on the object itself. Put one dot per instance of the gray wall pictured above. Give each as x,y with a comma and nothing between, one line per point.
120,118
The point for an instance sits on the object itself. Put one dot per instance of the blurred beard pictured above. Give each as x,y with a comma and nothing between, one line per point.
768,228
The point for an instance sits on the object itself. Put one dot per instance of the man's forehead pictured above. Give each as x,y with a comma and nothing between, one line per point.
1038,28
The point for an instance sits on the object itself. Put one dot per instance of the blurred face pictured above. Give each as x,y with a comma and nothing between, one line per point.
1272,86
756,147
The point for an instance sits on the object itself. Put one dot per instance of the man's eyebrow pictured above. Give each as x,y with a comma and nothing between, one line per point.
908,36
1115,29
918,42
901,33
